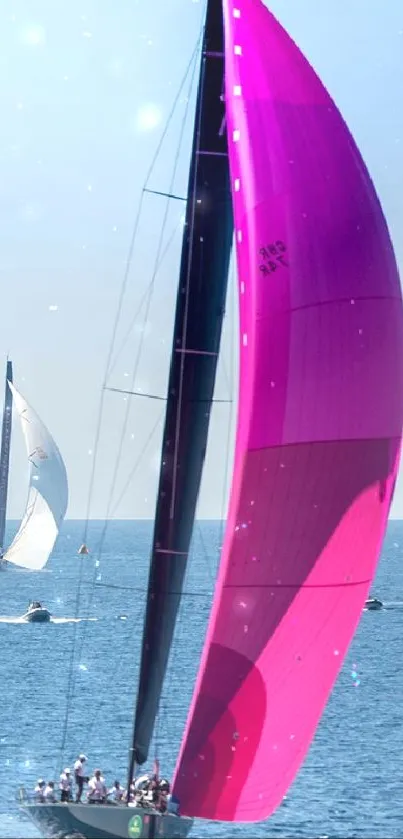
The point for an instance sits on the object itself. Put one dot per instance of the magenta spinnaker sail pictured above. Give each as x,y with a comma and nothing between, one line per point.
319,426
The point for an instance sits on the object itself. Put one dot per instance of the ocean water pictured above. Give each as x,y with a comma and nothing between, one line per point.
351,782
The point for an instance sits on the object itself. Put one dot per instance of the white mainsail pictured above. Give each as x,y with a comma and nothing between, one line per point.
47,496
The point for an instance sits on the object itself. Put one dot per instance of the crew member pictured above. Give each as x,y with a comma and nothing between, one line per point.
79,776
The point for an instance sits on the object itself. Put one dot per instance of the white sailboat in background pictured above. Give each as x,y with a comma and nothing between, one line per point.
48,488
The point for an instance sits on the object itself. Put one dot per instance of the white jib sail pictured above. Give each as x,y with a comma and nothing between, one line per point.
47,496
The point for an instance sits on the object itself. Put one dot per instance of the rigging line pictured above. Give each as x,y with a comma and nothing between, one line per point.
165,194
162,398
120,662
124,490
161,715
140,348
144,590
71,680
70,673
136,393
127,271
144,297
149,300
99,551
148,305
108,362
149,173
135,467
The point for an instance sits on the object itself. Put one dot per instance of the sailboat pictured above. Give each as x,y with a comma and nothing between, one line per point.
48,489
318,430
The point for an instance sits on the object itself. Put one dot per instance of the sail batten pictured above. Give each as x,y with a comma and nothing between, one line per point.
199,315
319,426
47,496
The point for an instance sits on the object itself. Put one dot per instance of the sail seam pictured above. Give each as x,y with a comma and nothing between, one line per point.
297,585
350,300
362,440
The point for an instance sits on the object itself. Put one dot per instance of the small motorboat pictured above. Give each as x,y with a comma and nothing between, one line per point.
373,604
37,613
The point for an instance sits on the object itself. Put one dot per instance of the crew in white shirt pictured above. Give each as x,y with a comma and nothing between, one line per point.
116,792
49,793
39,790
97,791
66,786
79,776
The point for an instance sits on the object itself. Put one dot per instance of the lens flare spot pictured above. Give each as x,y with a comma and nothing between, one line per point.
148,117
33,35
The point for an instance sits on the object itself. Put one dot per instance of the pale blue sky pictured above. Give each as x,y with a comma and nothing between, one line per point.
85,88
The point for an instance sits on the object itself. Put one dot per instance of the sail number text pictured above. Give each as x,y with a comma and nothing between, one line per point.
274,256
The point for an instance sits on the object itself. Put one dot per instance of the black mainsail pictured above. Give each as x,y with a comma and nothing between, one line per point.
199,315
5,452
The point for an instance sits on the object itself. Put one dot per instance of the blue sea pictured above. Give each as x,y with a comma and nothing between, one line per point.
351,782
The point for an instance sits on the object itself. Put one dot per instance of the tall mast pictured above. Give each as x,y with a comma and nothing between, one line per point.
5,452
200,304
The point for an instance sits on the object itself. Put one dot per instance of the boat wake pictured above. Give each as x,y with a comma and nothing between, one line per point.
10,619
72,620
17,569
393,604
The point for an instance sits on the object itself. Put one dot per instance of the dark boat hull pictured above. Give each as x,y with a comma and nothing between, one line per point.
37,616
373,604
105,821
